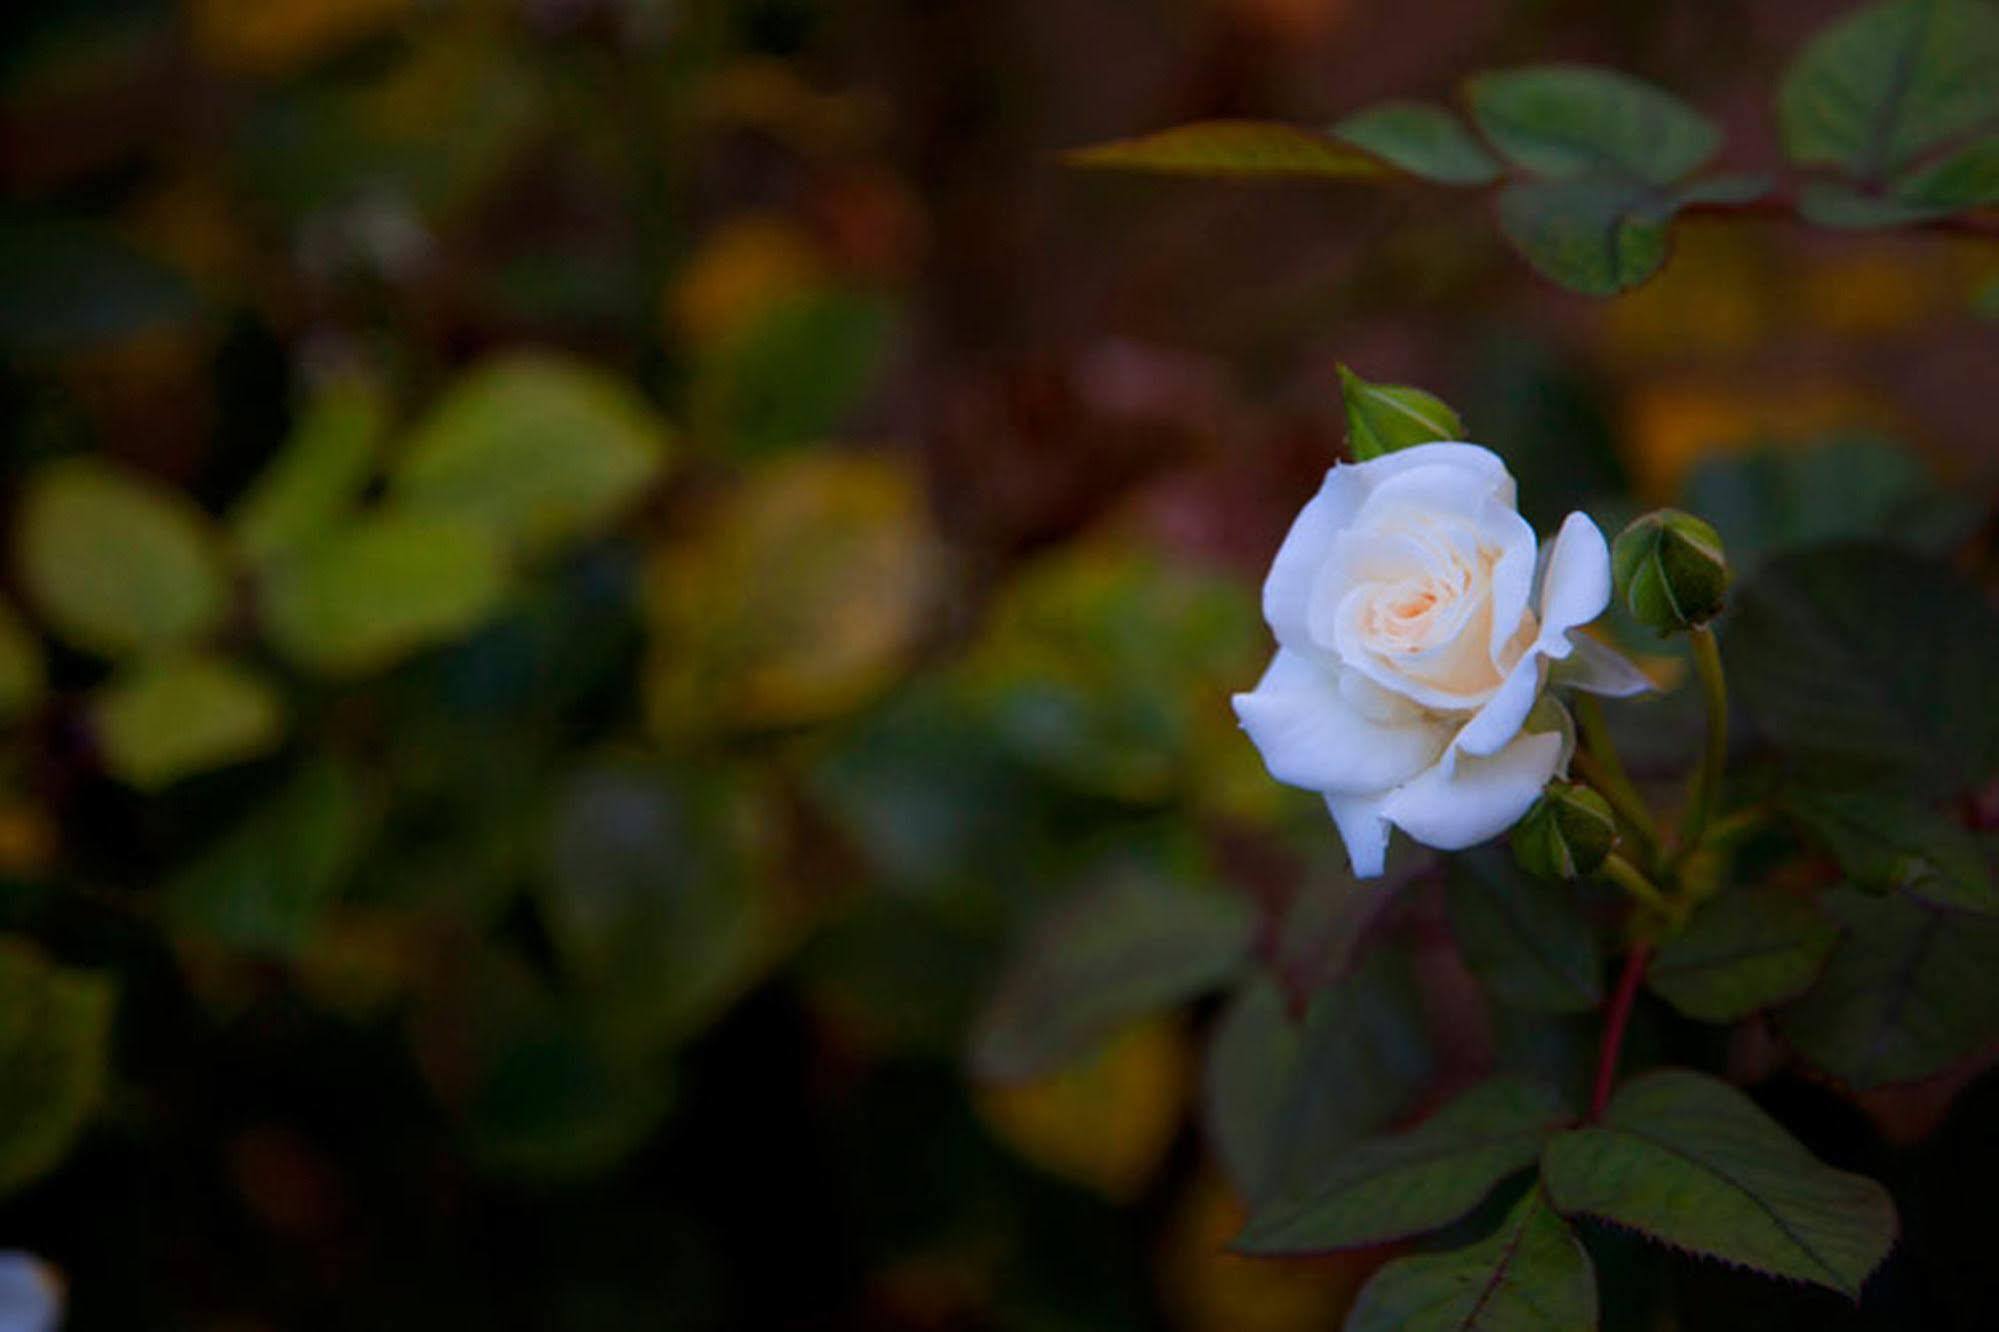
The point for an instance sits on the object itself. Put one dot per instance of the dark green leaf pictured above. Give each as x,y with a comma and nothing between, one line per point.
535,1091
653,900
1871,662
1251,1060
1592,235
1885,84
1232,148
1403,1184
1524,938
1840,207
1966,178
1776,499
1530,1275
1422,139
55,1030
264,886
1382,418
1884,841
796,373
1571,120
1692,1162
1364,1059
22,674
1119,951
117,563
1908,992
535,448
386,586
313,483
1745,949
161,720
68,284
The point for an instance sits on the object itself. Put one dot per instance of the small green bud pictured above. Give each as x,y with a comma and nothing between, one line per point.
1671,570
1567,835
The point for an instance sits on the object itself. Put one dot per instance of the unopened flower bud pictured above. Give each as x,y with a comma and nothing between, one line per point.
1566,835
1670,569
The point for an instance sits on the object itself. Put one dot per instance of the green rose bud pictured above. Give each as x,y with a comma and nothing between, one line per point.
1566,835
1670,570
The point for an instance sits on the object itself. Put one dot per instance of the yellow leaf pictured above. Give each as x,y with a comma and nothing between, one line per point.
1213,1290
1105,1121
169,719
798,599
743,269
116,562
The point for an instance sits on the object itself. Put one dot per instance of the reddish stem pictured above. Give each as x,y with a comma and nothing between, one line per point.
1615,1021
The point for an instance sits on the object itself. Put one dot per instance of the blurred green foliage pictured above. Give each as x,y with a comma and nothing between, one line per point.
591,657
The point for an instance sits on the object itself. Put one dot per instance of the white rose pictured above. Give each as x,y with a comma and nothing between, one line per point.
1411,649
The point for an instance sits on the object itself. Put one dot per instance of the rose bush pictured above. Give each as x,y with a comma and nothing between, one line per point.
1412,649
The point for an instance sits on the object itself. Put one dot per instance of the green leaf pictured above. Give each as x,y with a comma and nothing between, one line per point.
1382,418
55,1034
1595,236
1403,1184
66,284
653,900
1525,939
1250,148
1872,664
1745,949
1422,139
1251,1060
1884,841
1909,991
159,721
1692,1162
1530,1275
537,448
22,675
1126,948
1777,499
1362,1060
1890,82
796,373
313,483
1839,207
388,585
535,1091
1571,121
1966,178
265,885
116,563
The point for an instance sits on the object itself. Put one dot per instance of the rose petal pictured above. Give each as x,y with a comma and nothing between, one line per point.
1363,830
1512,574
1311,736
1576,587
1458,805
1596,668
1287,592
1506,711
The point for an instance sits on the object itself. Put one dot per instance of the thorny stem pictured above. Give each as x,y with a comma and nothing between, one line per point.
1616,1020
1707,779
1601,767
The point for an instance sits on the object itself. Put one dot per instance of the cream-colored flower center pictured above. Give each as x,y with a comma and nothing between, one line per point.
1433,621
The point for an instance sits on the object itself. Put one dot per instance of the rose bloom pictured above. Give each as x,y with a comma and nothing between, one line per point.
1412,649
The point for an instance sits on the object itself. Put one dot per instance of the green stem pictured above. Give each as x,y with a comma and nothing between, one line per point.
1600,766
1633,881
1707,779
